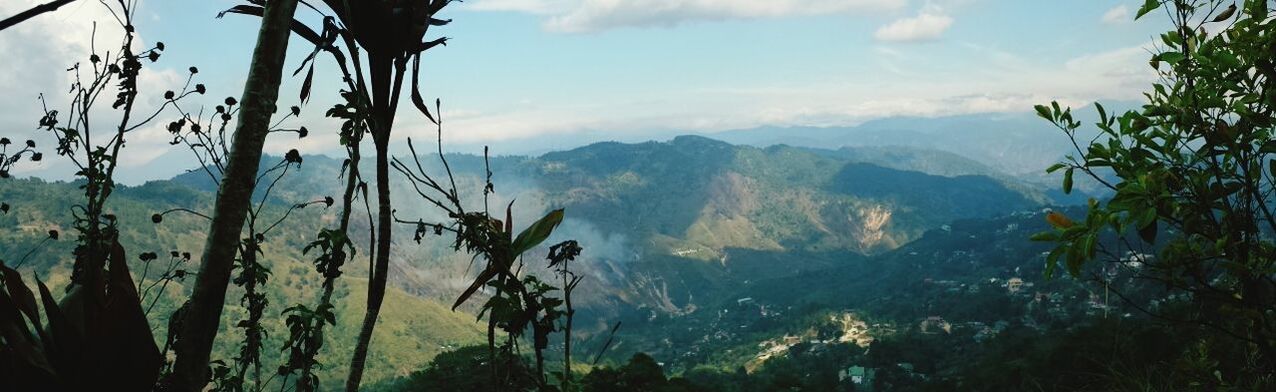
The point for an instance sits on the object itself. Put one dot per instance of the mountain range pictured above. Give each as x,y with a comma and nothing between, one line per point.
673,231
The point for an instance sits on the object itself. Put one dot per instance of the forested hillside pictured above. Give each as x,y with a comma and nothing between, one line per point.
637,196
736,214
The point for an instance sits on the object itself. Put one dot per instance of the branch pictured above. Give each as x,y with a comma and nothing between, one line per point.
33,12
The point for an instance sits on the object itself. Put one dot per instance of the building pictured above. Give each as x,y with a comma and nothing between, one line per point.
935,324
1013,285
860,376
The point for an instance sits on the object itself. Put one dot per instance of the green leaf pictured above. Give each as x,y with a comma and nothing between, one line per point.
1090,245
479,282
1256,9
1055,167
1268,147
1044,112
1067,181
536,233
1052,261
1045,236
1147,7
1171,57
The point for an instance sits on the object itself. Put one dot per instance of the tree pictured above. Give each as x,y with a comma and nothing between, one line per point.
1193,175
520,302
202,314
391,33
641,374
97,337
463,369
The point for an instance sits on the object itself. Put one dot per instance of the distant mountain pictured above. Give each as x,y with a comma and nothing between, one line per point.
647,212
699,196
1014,144
1019,145
668,227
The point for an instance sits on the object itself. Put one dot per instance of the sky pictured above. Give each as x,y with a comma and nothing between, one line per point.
574,71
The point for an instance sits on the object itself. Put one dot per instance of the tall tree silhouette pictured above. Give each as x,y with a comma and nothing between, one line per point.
391,33
261,90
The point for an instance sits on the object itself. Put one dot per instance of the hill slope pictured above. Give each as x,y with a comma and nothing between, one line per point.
670,229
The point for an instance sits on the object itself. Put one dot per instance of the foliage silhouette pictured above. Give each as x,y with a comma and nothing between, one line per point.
201,315
520,302
209,146
391,34
33,12
98,336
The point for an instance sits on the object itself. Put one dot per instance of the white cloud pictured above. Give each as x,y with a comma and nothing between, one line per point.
1012,85
38,53
582,16
1117,15
539,7
928,25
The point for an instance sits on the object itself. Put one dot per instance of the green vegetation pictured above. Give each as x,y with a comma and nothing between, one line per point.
1192,180
700,266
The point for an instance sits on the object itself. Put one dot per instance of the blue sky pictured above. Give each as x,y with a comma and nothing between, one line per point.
520,69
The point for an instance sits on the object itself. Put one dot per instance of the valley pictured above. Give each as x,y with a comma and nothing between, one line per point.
748,253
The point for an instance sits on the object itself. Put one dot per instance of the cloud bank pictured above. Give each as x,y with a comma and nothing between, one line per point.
928,25
585,16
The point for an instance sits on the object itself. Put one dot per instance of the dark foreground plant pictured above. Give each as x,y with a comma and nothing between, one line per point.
97,337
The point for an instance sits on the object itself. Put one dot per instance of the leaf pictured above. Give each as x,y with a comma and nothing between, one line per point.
479,282
1058,220
1147,7
21,353
1044,112
1171,57
306,83
1089,247
536,233
297,27
1045,236
127,349
65,339
1067,181
1226,14
1256,9
1052,261
22,296
416,90
509,219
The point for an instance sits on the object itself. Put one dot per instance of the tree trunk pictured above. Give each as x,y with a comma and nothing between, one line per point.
387,76
381,269
203,310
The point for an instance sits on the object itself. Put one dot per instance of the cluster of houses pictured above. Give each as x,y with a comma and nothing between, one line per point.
863,378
